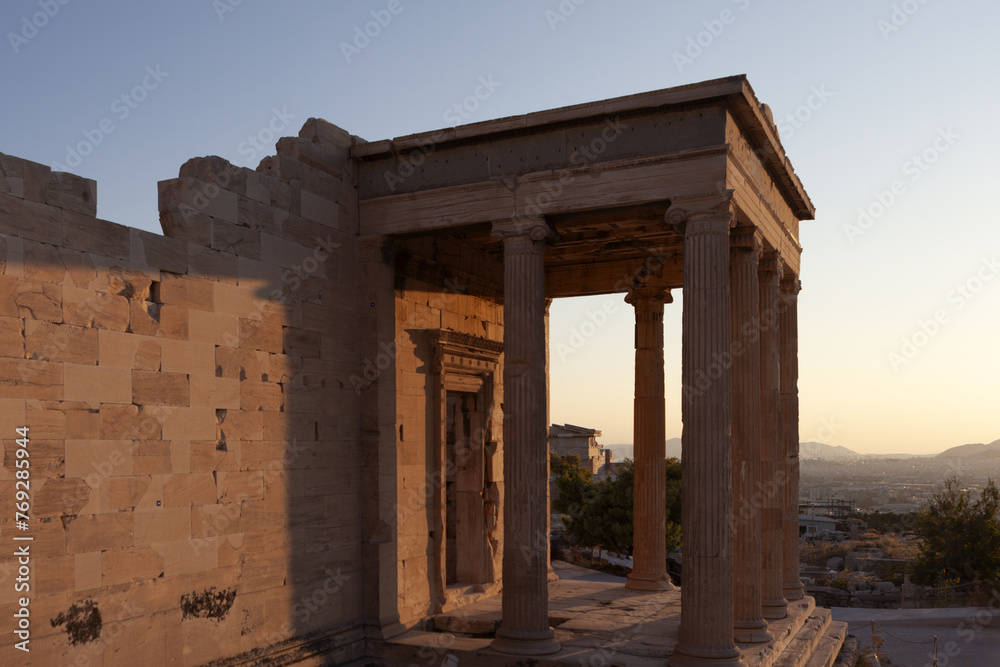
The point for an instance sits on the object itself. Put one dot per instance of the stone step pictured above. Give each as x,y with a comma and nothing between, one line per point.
436,648
826,652
848,655
802,647
784,630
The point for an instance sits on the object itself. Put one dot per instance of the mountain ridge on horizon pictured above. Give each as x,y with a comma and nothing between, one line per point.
819,450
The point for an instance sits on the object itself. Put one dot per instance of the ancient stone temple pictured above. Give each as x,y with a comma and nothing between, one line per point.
307,425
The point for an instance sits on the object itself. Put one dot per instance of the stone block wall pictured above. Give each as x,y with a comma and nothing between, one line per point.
194,439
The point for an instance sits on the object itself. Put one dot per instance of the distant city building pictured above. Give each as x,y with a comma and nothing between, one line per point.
565,439
810,524
837,508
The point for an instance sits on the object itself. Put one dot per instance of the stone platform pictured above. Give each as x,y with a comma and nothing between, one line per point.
598,621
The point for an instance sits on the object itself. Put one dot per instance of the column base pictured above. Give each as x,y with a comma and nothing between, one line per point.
639,583
752,632
697,658
773,611
794,592
525,643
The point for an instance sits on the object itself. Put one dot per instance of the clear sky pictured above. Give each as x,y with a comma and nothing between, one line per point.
884,107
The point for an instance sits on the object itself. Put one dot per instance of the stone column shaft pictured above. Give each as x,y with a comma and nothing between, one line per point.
706,632
789,346
748,624
524,627
649,435
773,480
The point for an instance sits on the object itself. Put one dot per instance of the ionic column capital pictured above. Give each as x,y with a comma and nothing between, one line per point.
647,296
745,243
771,267
790,286
530,228
708,213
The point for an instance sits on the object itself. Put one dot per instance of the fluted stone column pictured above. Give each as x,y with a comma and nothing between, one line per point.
789,334
524,626
744,254
773,602
549,572
706,632
649,435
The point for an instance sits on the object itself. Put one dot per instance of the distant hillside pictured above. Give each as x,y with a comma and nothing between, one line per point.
976,450
819,450
622,452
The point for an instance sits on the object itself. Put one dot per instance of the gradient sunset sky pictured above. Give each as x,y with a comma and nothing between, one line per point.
887,111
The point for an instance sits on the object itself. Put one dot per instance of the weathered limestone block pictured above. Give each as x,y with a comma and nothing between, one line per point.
128,422
240,363
236,239
204,262
189,489
12,337
162,252
11,175
85,425
87,571
71,192
98,532
187,357
143,317
240,486
173,322
257,335
280,427
301,342
219,393
94,309
188,557
151,457
333,139
129,284
218,172
188,201
195,423
259,277
60,496
37,300
26,378
209,327
43,262
287,170
187,292
260,396
124,493
152,388
180,220
162,524
96,236
106,458
60,342
120,349
279,193
61,579
30,220
214,455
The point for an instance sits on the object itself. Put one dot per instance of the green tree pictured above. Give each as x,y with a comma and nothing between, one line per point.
961,537
573,481
673,504
599,514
